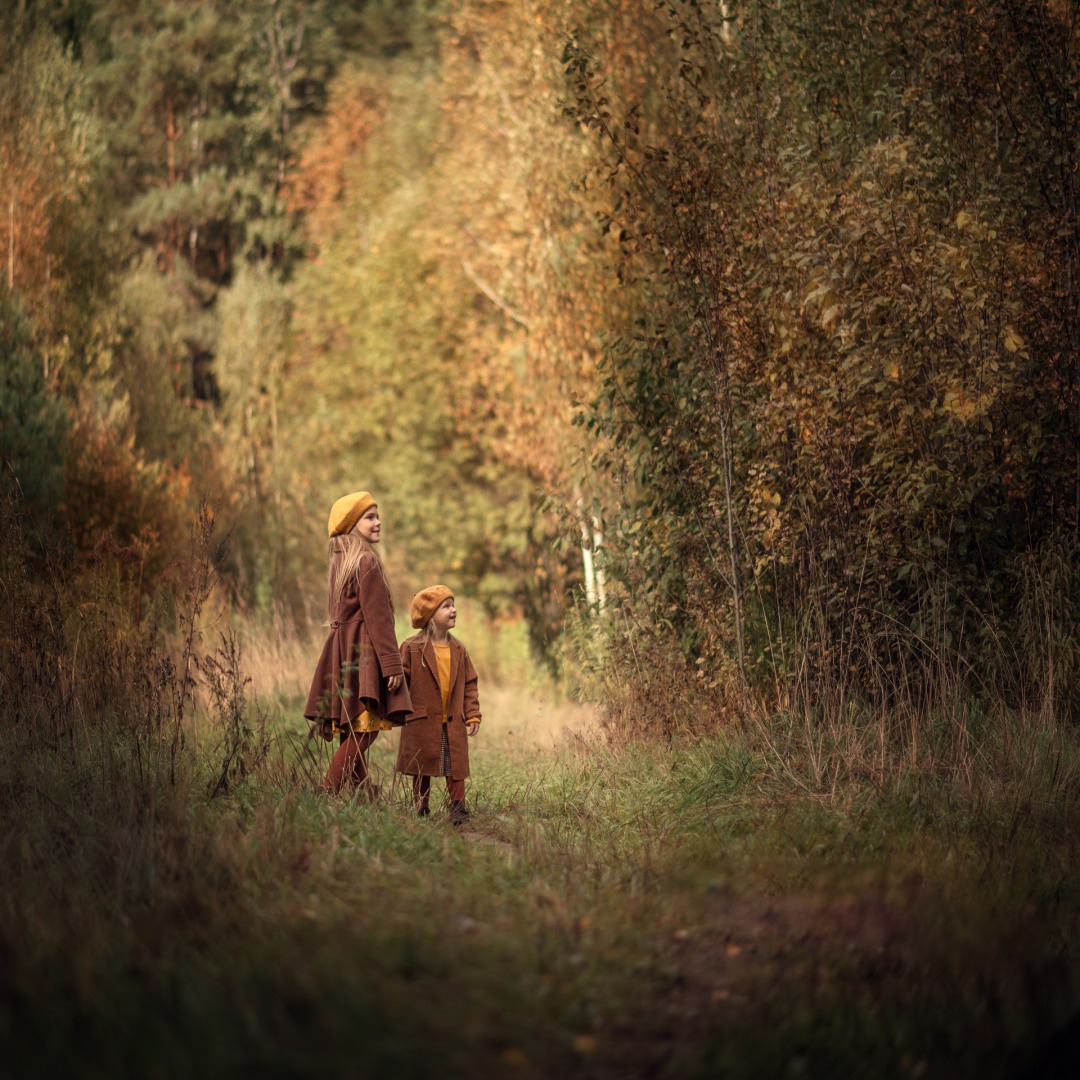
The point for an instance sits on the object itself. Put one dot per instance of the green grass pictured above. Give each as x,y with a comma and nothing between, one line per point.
694,909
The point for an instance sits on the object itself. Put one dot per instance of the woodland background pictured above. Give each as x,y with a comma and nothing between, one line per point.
726,351
756,323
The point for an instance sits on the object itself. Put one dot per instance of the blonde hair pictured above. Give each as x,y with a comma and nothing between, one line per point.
343,559
428,629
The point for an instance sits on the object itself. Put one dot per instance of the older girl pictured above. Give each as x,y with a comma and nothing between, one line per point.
446,708
359,687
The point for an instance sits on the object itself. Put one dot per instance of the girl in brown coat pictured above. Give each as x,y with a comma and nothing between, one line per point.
442,681
359,687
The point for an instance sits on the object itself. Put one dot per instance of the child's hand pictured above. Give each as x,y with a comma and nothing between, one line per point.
474,727
393,682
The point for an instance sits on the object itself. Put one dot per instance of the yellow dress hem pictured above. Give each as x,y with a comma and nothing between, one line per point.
363,724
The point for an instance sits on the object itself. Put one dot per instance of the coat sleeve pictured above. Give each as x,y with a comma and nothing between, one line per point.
378,617
472,696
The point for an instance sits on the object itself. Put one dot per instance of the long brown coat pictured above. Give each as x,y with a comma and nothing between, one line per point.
360,654
421,737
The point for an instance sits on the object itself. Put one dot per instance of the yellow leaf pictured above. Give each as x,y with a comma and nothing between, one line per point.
962,219
1013,341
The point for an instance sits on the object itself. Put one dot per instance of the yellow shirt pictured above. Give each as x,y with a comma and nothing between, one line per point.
442,660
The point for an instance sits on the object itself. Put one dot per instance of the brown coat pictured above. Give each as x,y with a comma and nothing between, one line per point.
360,654
421,738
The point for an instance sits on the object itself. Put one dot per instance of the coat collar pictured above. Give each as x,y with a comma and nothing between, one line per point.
431,663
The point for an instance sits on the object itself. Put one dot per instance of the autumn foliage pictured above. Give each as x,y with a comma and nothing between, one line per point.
750,326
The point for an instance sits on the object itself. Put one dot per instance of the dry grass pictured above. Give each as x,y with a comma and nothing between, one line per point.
278,657
835,890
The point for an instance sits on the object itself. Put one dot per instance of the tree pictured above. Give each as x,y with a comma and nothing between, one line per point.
854,369
51,235
33,423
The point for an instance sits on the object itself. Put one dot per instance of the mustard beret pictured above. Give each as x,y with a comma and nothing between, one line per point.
347,511
426,602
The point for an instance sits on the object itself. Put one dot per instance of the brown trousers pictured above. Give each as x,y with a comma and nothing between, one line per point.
349,765
421,786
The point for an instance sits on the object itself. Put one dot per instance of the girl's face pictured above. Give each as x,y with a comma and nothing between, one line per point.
445,616
369,526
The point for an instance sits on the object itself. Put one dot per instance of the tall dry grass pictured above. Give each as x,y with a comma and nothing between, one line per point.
97,739
279,655
988,731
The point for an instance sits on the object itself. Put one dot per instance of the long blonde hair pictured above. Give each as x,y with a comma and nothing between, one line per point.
343,558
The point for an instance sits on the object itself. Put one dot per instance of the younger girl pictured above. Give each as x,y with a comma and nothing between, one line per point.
358,689
442,681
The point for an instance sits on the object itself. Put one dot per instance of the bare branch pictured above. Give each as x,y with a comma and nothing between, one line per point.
493,296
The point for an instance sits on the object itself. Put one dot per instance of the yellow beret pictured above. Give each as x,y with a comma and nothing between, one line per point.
426,602
347,511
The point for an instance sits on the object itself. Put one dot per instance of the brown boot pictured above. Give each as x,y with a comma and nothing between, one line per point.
459,812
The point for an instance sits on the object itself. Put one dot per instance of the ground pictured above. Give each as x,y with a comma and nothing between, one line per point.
658,908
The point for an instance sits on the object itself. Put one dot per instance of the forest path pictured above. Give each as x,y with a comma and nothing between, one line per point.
666,912
697,962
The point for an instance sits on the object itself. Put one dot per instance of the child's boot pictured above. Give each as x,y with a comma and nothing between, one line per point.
458,812
421,788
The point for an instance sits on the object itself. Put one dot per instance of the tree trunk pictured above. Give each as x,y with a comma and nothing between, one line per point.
11,244
736,576
601,579
170,158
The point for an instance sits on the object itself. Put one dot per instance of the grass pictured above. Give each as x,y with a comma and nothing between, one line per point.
824,893
682,910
